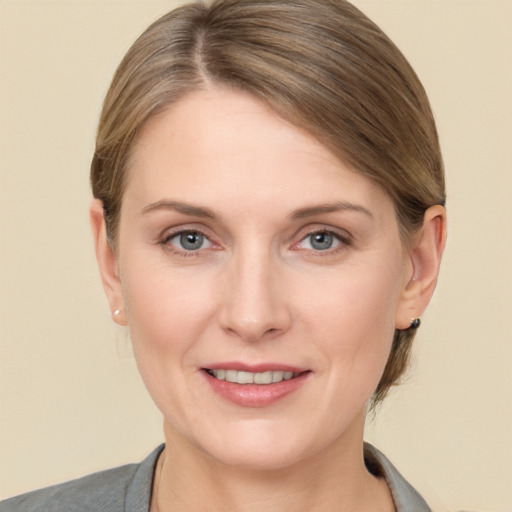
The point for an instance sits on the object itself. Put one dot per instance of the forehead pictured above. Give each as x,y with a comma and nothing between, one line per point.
217,145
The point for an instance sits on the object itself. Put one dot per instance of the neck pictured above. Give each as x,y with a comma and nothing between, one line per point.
332,481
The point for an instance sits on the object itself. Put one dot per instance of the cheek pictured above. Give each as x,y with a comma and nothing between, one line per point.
353,321
165,308
167,313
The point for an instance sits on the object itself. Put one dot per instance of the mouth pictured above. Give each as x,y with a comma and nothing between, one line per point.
260,378
261,387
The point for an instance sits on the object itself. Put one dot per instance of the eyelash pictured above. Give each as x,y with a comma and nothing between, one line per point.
165,242
342,242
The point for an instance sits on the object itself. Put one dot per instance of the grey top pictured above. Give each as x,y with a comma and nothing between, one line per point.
128,489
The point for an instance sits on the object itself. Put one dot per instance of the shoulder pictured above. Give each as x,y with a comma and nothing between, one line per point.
119,489
405,496
103,491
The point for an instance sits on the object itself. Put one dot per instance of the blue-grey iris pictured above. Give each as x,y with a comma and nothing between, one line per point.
191,240
321,241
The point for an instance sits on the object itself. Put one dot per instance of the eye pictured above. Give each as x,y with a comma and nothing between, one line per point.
189,241
321,241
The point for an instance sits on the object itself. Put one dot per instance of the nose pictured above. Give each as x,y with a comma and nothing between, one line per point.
254,306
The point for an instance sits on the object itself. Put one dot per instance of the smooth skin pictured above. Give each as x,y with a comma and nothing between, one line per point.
242,238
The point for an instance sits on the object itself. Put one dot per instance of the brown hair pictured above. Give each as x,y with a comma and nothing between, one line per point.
320,64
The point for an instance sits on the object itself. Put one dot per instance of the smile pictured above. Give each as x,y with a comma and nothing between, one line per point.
243,377
261,387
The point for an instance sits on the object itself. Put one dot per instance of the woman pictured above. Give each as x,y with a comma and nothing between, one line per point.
269,224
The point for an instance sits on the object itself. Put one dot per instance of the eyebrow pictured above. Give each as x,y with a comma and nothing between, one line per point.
178,206
337,206
301,213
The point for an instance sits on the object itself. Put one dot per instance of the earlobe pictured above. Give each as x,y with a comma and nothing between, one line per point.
425,254
107,263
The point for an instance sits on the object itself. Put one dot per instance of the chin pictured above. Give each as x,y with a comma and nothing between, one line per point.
263,446
263,457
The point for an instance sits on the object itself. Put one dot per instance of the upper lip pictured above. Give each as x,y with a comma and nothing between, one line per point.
255,368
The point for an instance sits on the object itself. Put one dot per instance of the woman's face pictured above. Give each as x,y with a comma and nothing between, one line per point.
249,253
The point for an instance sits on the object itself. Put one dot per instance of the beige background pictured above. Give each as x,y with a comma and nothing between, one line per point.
71,401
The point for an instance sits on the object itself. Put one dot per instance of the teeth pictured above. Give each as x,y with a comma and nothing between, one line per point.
263,378
277,376
269,377
231,375
245,378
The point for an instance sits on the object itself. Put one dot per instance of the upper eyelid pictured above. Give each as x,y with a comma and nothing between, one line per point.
340,238
171,232
342,234
171,235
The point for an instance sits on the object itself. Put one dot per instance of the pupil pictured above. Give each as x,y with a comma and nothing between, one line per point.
321,241
191,241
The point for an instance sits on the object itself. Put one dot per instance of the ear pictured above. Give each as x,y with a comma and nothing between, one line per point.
425,256
107,263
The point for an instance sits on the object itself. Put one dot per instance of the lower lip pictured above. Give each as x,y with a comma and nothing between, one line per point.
255,395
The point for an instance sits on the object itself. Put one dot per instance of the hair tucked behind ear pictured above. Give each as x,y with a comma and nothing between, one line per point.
320,64
397,363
